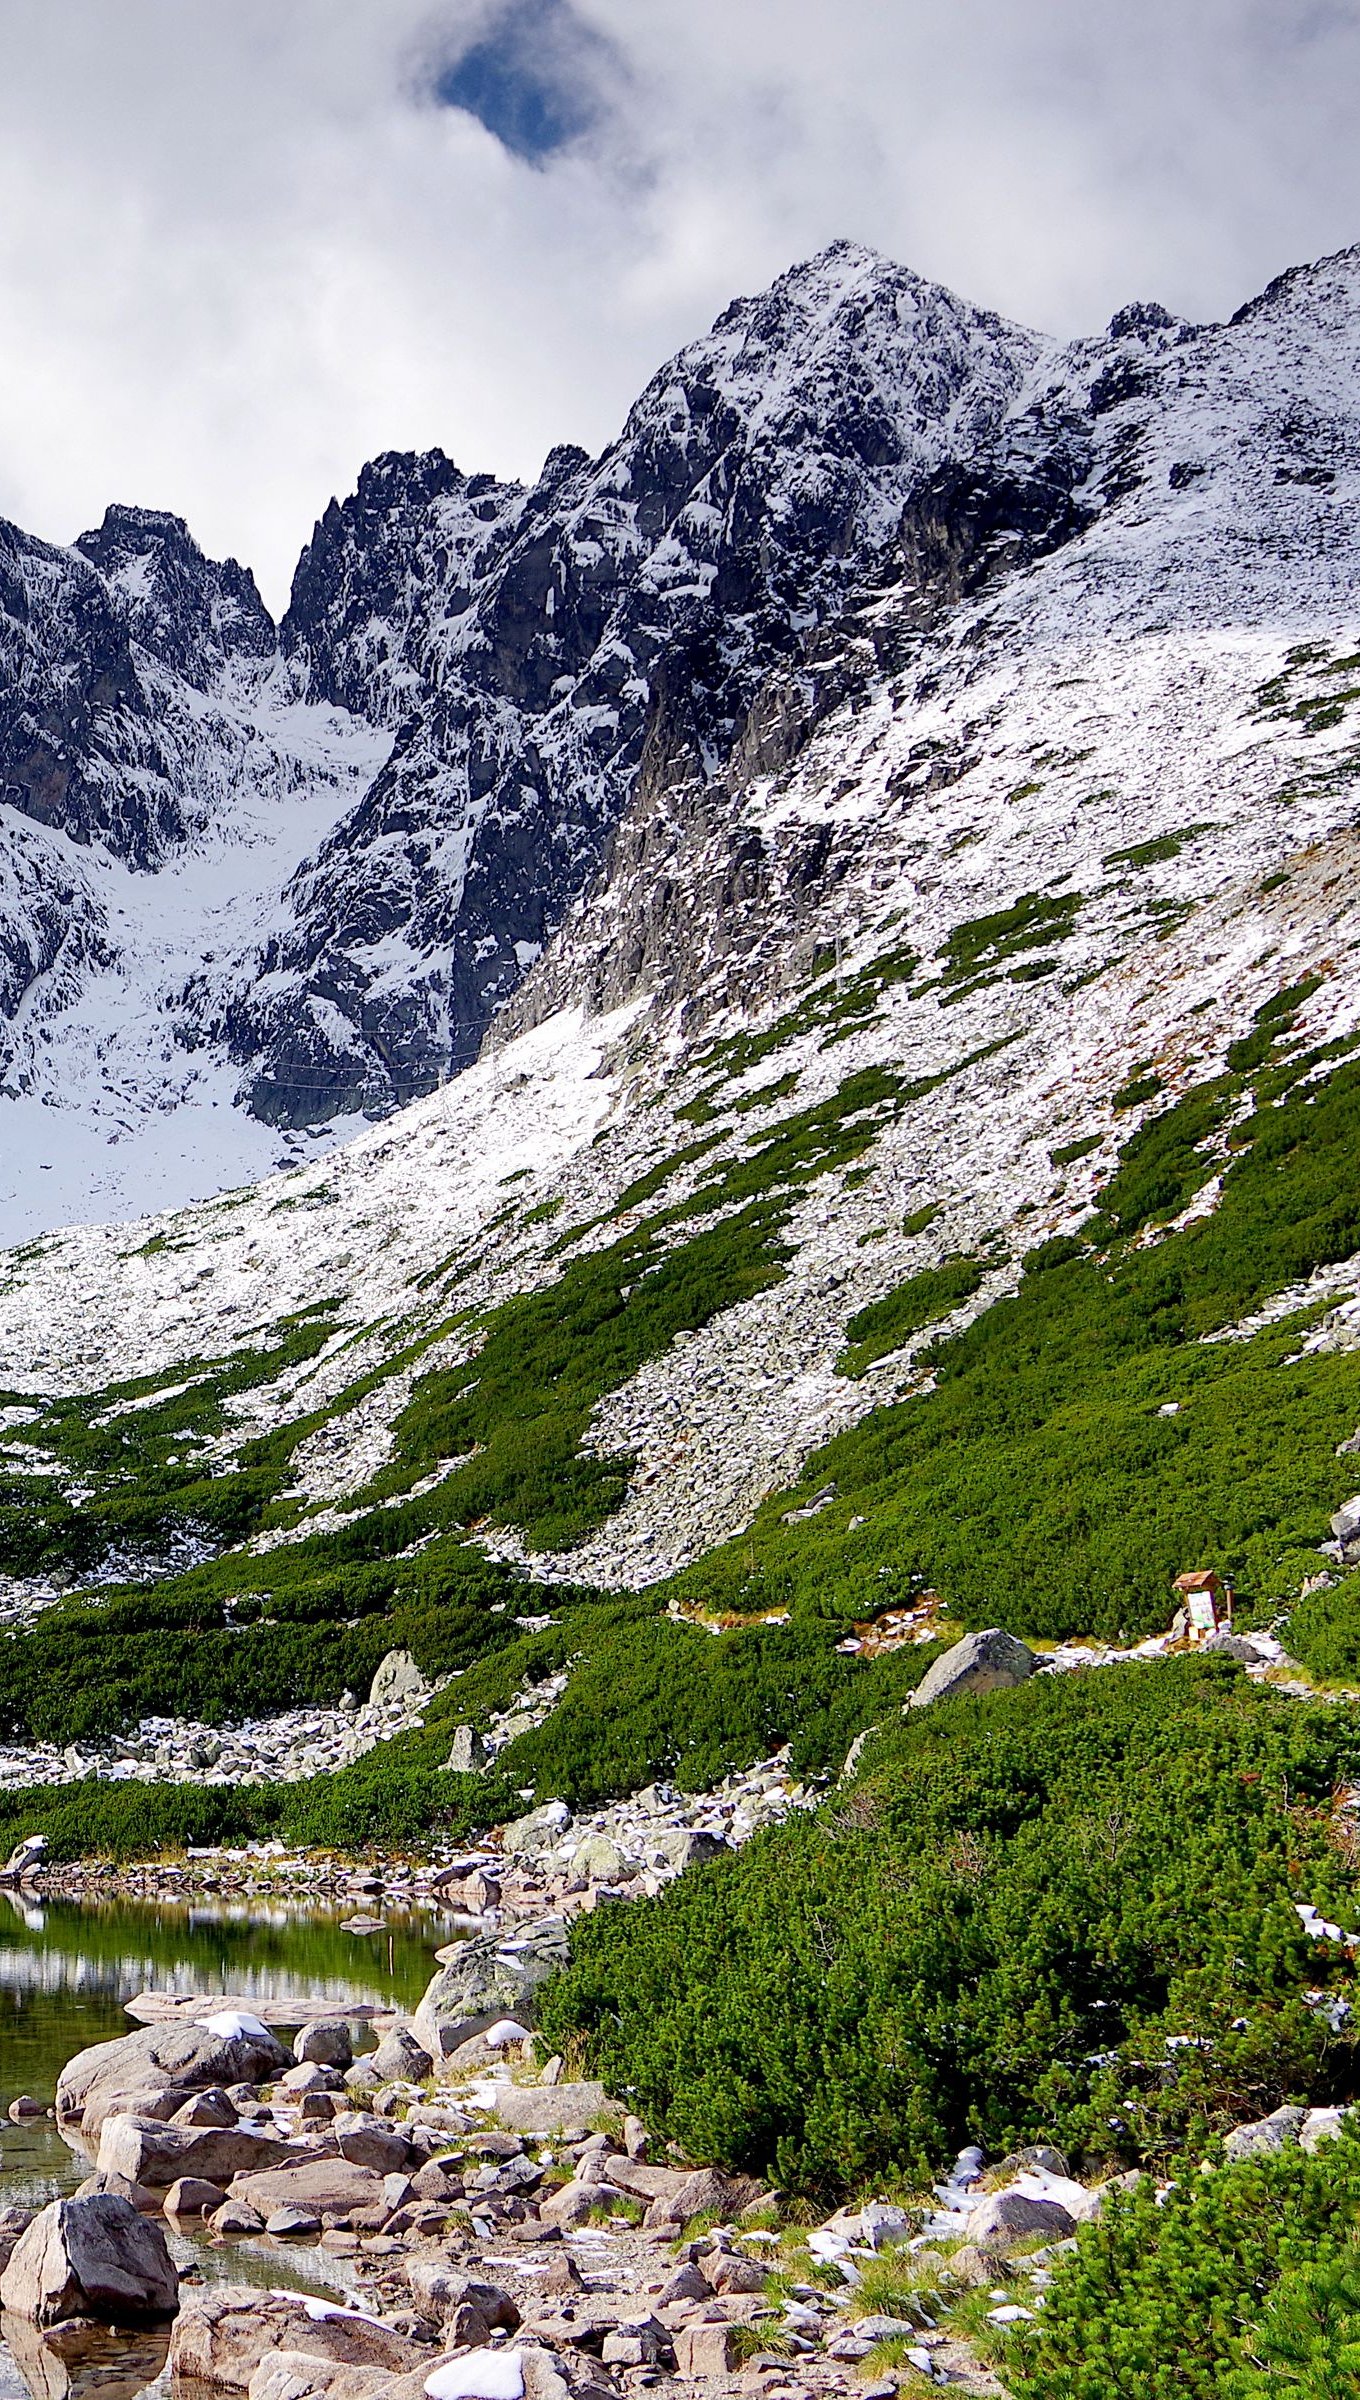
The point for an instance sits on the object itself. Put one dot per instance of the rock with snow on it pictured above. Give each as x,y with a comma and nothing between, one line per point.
94,2257
492,1976
538,1832
478,2375
224,2331
108,2076
982,1662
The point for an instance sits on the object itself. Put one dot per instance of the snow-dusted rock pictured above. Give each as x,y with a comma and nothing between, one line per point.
112,2076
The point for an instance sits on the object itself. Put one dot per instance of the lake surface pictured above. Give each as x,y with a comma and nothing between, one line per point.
66,1972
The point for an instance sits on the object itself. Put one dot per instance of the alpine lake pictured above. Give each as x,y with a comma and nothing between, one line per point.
66,1973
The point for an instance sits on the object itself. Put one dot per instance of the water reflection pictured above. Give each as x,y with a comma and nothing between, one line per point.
82,2362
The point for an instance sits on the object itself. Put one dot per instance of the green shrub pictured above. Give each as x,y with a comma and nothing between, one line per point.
992,1936
1238,2285
1323,1632
922,1300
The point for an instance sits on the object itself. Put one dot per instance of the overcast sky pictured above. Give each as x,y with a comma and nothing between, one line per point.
246,244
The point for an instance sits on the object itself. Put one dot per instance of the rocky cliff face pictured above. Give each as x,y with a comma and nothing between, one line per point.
540,651
513,748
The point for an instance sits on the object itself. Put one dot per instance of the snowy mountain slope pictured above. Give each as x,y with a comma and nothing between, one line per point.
879,614
536,649
160,779
1039,848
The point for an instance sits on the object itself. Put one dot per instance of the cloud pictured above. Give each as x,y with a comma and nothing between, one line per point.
242,249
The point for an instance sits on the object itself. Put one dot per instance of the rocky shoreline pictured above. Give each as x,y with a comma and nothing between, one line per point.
505,2232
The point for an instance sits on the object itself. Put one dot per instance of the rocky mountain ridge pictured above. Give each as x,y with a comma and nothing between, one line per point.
479,697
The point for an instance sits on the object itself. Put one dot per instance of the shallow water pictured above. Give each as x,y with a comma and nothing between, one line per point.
65,1973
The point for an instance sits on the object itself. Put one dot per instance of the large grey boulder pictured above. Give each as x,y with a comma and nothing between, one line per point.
401,2058
489,1977
680,1846
112,2076
541,1830
91,2258
599,1860
548,2108
222,2334
398,1678
982,1662
318,2186
156,2155
1005,2218
326,2042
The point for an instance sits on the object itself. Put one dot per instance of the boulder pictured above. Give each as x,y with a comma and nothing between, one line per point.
326,2042
570,2207
106,2078
156,2155
703,2352
223,2332
982,1662
1005,2218
487,1979
547,2108
91,2258
438,2289
368,2142
1284,2125
329,2186
206,2108
601,1861
401,2058
192,2197
687,2284
467,1755
541,1830
680,1847
705,2193
729,2272
292,2224
1235,1645
1321,2125
311,2076
233,2217
295,2375
1346,1527
398,1678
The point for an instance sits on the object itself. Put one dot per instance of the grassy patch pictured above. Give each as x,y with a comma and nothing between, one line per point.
922,1300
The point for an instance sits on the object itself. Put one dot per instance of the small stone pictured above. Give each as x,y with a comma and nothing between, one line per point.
289,2224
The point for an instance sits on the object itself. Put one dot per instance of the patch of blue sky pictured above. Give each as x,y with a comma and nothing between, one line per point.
532,79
